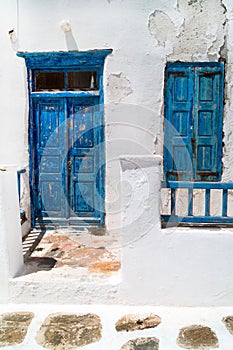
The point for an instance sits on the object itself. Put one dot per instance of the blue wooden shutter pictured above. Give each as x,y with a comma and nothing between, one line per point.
178,116
208,101
193,121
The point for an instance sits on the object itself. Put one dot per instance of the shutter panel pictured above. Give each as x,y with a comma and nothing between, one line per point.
207,145
177,125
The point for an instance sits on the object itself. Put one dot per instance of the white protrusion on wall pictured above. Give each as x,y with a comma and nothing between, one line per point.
65,26
140,180
11,256
70,40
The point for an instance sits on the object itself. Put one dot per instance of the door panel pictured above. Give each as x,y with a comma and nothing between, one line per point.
84,154
48,168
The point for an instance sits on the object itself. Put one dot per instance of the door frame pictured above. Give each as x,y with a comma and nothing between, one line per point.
73,60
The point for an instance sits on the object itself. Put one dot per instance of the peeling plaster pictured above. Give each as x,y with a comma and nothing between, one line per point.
118,87
201,34
157,20
203,31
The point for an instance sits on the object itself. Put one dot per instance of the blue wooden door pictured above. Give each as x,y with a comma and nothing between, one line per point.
86,160
193,121
68,161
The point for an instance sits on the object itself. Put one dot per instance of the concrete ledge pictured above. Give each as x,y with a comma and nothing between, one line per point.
135,161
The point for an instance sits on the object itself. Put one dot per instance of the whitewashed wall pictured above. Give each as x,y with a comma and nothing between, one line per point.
144,35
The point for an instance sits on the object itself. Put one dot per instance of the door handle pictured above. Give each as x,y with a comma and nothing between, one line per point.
69,165
193,142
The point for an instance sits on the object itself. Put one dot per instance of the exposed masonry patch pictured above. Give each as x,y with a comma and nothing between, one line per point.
137,322
197,337
69,331
13,327
118,87
150,343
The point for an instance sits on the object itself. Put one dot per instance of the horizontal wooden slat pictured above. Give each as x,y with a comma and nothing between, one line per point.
197,219
198,185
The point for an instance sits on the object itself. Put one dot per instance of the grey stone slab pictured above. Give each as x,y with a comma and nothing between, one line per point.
197,337
137,322
228,321
69,331
13,327
150,343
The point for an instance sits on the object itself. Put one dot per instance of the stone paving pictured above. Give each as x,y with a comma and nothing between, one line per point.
112,328
89,250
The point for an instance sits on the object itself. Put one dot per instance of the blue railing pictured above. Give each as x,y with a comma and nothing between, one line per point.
19,172
190,218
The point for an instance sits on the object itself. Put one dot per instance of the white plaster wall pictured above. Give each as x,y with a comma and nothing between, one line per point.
186,267
11,255
143,36
191,31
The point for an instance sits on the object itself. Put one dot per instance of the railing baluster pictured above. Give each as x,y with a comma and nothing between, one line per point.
190,202
173,201
224,217
207,202
224,202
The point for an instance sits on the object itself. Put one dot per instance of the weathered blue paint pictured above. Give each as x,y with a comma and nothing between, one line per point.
224,201
193,121
207,202
79,60
198,185
197,219
66,138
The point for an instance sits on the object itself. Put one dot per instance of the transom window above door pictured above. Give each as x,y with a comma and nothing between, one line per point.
65,80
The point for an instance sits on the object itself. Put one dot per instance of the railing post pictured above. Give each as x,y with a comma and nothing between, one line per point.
224,201
207,202
173,201
190,202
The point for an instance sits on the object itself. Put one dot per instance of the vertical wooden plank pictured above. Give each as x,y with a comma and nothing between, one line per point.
207,202
177,132
208,122
190,202
224,202
173,201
